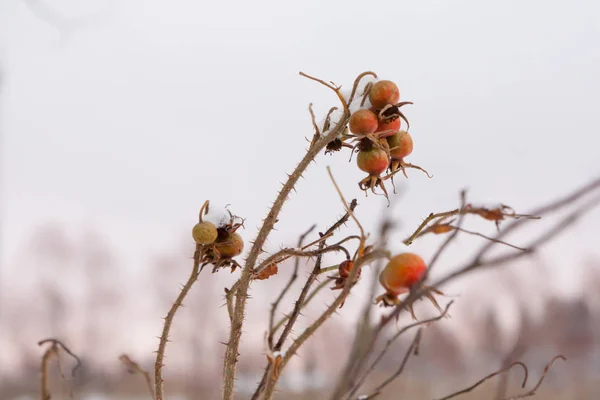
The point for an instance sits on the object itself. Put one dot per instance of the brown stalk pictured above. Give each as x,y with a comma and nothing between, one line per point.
376,361
241,294
285,289
533,391
133,367
55,346
164,337
414,346
490,376
300,303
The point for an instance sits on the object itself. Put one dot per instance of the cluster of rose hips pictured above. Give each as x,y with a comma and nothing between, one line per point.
381,144
218,244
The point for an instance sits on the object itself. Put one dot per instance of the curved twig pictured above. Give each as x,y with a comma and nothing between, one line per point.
493,374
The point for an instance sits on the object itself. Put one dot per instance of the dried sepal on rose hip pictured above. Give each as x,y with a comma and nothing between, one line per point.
374,159
266,272
387,128
401,145
399,276
343,275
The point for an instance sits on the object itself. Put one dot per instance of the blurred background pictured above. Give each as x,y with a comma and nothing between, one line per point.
119,118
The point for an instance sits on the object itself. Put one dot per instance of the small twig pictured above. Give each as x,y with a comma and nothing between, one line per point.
408,241
45,390
267,385
317,134
164,337
366,91
308,299
488,238
533,391
327,123
287,253
558,228
387,346
348,210
285,289
335,89
133,367
451,237
412,349
55,346
493,374
357,82
66,350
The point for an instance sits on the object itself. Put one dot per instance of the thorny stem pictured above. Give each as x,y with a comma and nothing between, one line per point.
413,349
241,294
301,302
408,241
364,328
417,292
311,296
164,338
286,288
376,361
332,307
285,254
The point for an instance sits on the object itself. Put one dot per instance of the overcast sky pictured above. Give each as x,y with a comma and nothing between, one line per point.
129,119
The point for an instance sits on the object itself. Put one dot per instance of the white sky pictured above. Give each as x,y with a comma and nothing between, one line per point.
131,122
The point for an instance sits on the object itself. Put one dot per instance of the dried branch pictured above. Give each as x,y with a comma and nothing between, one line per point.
533,391
241,294
287,253
311,296
412,349
55,346
439,216
133,367
558,228
285,289
387,346
335,89
418,291
493,374
164,337
327,123
317,134
45,390
300,303
488,238
357,82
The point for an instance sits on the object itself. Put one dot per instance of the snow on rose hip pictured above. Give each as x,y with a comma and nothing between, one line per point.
218,244
373,158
